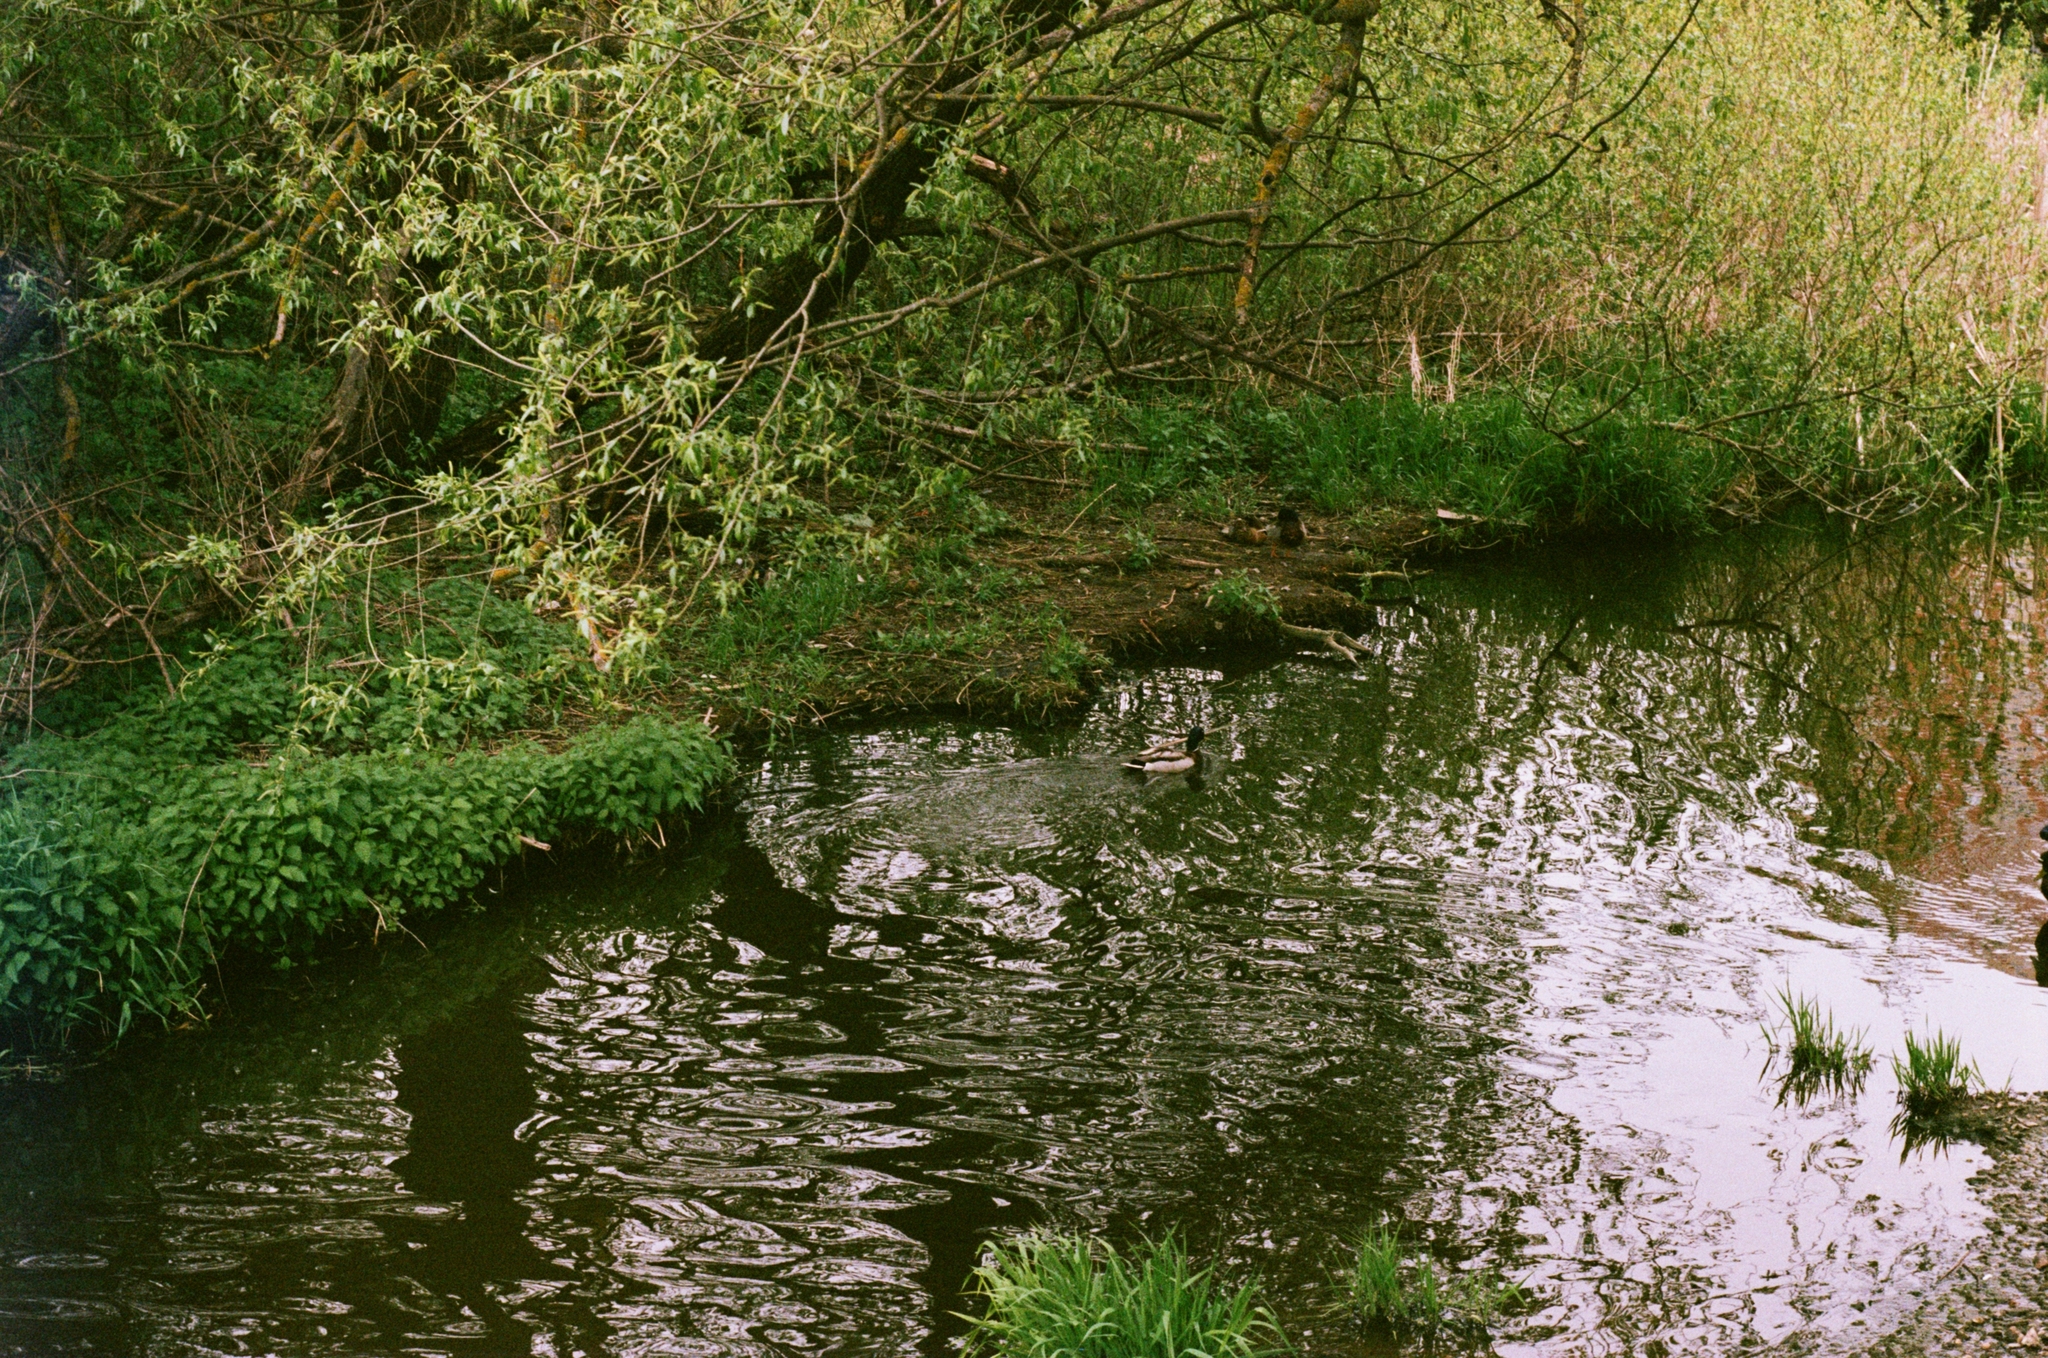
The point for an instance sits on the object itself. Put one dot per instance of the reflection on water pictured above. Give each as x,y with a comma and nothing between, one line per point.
466,1084
1478,937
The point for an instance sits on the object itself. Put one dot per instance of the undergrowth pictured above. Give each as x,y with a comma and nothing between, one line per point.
377,763
1239,598
916,614
1528,467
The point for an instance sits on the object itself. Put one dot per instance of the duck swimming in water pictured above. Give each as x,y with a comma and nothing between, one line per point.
1169,756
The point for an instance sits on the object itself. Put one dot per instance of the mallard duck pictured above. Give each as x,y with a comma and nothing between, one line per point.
1168,756
1287,531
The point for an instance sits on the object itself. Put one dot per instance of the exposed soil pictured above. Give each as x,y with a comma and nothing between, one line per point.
1995,1299
1118,603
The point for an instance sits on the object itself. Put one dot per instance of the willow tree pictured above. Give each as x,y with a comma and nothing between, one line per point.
610,284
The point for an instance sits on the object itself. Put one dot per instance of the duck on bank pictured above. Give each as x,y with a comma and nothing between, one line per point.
1286,531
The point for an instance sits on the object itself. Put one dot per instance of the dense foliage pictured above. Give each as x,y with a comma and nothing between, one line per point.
1062,1296
258,809
124,880
674,328
615,288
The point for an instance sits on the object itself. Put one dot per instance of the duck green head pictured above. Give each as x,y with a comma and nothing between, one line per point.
1194,740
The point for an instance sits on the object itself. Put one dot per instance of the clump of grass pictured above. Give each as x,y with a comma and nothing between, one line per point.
1933,1079
1387,1289
1818,1055
1240,598
1067,1296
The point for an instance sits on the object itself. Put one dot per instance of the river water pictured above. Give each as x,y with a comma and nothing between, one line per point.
1476,938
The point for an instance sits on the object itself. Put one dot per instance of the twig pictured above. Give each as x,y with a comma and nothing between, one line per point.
1329,638
1085,508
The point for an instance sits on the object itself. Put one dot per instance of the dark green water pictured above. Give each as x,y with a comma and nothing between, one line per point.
1478,937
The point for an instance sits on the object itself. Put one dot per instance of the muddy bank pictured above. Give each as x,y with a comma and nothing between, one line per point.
1995,1299
1064,593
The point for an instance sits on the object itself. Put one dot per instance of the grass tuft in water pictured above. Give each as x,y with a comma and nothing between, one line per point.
1386,1289
1933,1079
1067,1296
1818,1055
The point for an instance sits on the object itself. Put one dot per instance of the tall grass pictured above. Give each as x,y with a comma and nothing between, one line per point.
1934,1091
1486,455
1818,1055
1067,1296
1934,1079
1386,1288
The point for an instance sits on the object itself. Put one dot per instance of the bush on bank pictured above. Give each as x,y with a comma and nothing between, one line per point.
266,803
121,885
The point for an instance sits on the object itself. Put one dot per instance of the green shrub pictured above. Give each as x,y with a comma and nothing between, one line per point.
123,874
1140,549
1241,599
1065,1296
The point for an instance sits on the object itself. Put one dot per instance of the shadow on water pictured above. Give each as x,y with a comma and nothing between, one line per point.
792,928
466,1085
1474,939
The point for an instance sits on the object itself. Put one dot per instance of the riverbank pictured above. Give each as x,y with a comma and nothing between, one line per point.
1025,618
382,753
1468,940
1995,1298
150,825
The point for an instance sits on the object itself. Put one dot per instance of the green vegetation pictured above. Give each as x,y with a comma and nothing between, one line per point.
1486,456
733,344
1140,551
1239,598
1818,1056
652,305
1934,1080
1387,1288
286,788
1935,1104
1066,1296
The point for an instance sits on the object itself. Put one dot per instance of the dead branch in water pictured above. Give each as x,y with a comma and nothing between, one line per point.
1330,639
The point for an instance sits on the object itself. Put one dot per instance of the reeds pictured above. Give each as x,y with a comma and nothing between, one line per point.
1934,1092
1935,1082
1066,1296
1818,1055
1388,1289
